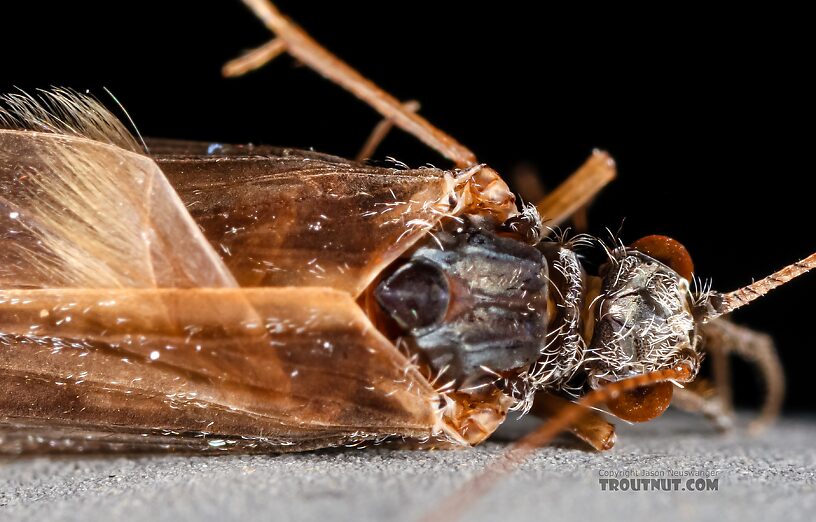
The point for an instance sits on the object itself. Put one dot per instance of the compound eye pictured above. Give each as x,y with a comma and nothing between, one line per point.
415,296
668,251
642,404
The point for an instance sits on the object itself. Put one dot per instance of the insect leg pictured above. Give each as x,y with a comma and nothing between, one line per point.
303,47
453,506
578,190
527,182
707,401
254,59
721,369
591,427
379,132
713,400
602,395
581,219
723,337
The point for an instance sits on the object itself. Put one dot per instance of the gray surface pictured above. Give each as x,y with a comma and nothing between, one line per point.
772,477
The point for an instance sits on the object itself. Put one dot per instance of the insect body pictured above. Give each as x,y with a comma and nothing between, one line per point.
191,296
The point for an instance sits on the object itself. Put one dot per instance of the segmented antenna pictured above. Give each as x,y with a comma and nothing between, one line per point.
721,304
453,506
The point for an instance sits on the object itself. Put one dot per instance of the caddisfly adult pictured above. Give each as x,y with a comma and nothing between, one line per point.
199,296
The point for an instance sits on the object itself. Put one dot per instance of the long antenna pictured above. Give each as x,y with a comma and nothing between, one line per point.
453,507
721,304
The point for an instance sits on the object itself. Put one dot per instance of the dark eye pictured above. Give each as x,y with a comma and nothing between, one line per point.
416,295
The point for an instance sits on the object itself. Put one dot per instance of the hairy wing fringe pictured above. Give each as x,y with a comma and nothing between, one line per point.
67,112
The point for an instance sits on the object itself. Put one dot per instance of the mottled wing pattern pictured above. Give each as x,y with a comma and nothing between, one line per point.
284,217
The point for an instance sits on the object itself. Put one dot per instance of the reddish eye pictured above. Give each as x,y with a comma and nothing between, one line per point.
642,404
668,251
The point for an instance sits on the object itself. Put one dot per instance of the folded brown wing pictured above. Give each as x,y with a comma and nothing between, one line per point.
283,217
84,370
121,328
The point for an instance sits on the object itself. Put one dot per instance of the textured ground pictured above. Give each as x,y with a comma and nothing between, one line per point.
770,478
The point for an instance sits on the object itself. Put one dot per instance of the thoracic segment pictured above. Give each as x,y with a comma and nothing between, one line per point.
511,316
562,355
495,317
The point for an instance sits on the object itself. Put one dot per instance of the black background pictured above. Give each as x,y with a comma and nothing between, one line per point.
709,116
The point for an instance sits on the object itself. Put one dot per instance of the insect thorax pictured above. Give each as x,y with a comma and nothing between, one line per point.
480,308
487,309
